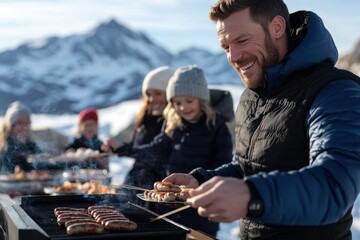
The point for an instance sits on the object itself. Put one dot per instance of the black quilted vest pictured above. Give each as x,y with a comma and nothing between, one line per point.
271,135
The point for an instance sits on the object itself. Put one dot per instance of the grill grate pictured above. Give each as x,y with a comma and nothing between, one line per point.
41,210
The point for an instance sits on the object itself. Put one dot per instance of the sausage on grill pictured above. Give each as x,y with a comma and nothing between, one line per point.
70,222
103,220
72,214
60,210
120,225
61,221
98,212
84,228
102,207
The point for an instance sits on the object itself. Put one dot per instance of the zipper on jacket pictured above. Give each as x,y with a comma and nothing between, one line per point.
256,132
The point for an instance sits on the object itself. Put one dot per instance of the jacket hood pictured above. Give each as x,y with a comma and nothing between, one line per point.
310,43
222,103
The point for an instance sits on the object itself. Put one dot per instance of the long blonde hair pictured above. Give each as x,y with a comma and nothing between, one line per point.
145,109
4,133
173,119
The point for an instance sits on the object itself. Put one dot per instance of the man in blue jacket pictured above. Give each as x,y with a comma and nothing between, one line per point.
296,172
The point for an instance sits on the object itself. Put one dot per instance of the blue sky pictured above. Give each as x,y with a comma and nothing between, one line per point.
175,24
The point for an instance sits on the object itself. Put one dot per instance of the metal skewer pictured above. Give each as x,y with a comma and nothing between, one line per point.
128,187
170,213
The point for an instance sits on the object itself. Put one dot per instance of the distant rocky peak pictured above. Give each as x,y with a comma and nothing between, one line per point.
351,60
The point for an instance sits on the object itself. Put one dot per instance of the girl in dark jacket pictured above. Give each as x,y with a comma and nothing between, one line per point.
16,143
194,136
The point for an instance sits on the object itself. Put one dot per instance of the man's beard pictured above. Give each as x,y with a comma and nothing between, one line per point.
271,59
273,53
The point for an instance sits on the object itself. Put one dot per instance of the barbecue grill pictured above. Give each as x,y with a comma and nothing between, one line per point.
33,218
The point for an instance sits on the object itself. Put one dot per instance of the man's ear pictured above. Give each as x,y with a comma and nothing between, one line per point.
277,27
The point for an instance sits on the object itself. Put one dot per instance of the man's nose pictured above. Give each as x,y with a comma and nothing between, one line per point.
235,55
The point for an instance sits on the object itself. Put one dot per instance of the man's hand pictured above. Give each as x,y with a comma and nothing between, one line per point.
182,179
221,199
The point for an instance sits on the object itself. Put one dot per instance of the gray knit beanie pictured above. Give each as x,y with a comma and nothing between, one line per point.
157,79
188,81
15,111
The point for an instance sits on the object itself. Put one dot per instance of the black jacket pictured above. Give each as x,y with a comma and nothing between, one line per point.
17,154
81,142
141,174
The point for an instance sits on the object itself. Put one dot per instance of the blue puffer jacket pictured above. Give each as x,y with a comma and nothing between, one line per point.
325,190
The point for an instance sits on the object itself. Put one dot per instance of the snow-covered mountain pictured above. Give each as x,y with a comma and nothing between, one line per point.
100,68
351,60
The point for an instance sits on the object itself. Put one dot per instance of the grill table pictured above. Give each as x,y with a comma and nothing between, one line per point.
34,219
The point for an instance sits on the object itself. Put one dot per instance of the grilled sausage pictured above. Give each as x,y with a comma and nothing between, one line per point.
84,228
120,225
61,221
182,196
99,217
70,214
80,220
69,209
105,219
59,210
103,207
166,187
157,196
98,212
73,212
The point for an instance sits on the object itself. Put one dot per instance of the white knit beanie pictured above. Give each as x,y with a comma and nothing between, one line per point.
15,111
188,81
157,79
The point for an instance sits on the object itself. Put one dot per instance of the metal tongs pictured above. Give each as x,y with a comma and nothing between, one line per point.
128,187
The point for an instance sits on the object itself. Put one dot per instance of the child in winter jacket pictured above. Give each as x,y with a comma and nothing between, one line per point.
195,135
87,138
16,143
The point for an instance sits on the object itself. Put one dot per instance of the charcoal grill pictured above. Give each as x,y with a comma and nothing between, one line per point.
38,220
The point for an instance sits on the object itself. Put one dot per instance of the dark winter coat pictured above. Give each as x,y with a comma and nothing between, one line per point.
194,145
291,127
150,128
94,144
141,175
17,154
81,142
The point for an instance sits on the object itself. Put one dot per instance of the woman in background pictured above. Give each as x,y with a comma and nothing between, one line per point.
16,143
149,122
